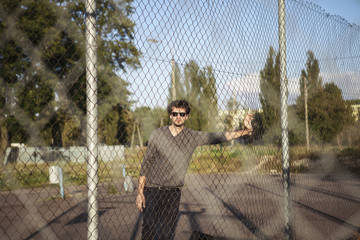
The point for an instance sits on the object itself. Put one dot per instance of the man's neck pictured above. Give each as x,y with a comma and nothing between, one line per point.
175,130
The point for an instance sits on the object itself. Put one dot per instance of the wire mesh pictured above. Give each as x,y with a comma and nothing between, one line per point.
224,58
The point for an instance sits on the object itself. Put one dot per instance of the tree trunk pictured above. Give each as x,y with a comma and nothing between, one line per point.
139,135
132,136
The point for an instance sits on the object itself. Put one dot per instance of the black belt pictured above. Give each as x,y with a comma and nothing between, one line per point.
165,188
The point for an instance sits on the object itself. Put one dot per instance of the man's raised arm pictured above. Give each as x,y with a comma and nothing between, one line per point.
239,133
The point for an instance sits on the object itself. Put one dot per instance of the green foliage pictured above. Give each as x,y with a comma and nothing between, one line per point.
62,54
258,127
215,159
311,78
148,120
208,98
79,178
37,20
14,62
198,87
66,129
123,125
232,104
47,83
23,176
270,95
35,97
206,159
32,178
353,101
106,128
16,132
200,90
115,30
112,189
192,91
10,5
328,113
267,124
311,75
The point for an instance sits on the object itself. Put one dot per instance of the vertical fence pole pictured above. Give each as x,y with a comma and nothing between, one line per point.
91,118
284,118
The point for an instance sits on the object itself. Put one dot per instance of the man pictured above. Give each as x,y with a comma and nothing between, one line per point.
164,167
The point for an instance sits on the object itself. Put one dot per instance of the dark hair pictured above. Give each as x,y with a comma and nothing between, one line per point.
179,104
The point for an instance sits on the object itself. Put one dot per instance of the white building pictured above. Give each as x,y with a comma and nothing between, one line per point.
237,117
355,111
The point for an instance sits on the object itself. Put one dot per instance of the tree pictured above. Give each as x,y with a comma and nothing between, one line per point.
200,90
116,50
270,95
257,124
311,79
192,85
328,113
22,98
43,73
208,98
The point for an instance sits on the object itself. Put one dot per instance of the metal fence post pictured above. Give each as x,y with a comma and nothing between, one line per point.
91,116
284,118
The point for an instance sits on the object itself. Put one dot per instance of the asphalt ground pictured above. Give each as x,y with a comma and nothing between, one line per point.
221,206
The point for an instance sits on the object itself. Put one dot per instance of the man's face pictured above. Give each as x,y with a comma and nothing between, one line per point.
180,118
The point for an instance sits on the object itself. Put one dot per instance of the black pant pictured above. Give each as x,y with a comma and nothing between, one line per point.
160,213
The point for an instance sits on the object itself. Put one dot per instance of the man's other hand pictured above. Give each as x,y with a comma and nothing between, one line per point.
140,201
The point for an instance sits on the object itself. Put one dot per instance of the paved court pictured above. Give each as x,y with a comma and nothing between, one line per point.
222,206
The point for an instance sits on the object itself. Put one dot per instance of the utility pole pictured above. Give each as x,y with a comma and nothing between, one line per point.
306,116
173,82
133,135
234,115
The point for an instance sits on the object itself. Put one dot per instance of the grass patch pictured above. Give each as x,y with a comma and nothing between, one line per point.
111,189
206,159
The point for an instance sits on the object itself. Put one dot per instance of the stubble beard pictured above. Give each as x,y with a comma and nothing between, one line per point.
178,125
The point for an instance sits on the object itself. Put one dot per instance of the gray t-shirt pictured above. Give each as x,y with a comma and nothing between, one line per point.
167,157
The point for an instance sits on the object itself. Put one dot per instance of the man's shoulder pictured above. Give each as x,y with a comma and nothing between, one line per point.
191,132
160,130
157,134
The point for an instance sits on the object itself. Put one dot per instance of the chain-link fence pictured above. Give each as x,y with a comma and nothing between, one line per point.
84,84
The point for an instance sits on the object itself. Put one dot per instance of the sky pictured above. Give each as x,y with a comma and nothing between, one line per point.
234,38
348,9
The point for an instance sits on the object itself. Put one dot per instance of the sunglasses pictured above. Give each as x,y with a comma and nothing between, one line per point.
182,114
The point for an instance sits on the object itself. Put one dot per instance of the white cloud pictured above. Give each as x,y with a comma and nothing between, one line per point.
247,84
348,82
294,86
251,84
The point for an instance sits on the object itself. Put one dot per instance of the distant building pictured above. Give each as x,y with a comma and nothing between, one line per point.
236,116
355,111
